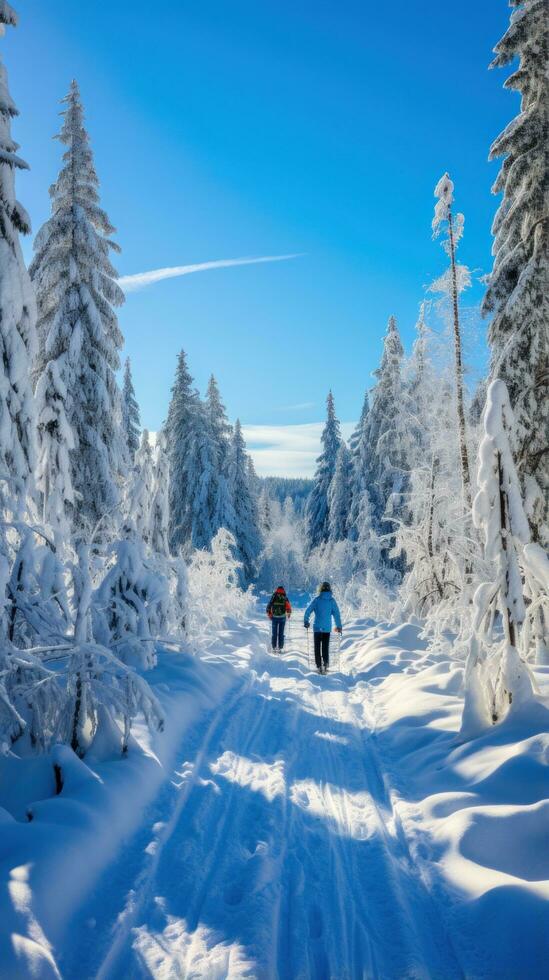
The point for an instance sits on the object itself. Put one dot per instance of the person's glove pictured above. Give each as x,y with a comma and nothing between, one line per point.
338,629
306,625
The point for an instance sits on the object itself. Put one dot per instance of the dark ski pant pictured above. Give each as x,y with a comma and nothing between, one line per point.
322,648
278,624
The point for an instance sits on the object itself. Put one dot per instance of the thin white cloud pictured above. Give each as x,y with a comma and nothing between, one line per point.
141,279
299,407
287,450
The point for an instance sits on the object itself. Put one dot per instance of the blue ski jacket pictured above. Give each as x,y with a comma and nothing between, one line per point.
324,607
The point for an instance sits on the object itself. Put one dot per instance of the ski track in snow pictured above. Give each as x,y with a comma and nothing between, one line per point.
275,852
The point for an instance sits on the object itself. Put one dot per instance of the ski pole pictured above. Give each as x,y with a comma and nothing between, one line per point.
339,652
308,650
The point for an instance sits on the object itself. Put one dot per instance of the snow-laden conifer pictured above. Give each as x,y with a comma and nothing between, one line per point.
221,431
179,428
159,512
339,495
56,441
131,420
141,487
246,522
497,677
388,437
17,313
77,326
360,457
517,296
317,512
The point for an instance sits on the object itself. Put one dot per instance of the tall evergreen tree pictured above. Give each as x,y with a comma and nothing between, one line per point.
159,514
194,455
387,436
246,523
420,389
77,326
141,488
339,495
17,312
518,288
131,420
181,406
223,511
318,512
360,458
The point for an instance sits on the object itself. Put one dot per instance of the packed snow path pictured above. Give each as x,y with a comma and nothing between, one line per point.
275,853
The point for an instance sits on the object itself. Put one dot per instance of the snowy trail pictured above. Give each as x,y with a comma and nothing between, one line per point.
278,854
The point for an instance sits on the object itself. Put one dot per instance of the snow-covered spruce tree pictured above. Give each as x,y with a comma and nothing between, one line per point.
55,443
451,284
496,675
77,327
265,512
17,314
360,459
317,511
131,420
388,438
221,431
339,495
173,569
159,513
517,296
246,521
183,406
140,491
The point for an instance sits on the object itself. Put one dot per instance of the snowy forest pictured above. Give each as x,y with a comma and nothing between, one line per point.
117,543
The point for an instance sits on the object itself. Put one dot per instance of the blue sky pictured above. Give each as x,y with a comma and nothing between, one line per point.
249,129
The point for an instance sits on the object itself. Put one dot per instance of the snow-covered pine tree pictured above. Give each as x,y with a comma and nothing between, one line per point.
518,287
131,420
141,487
496,675
354,439
201,477
360,457
159,512
77,326
265,511
317,511
246,522
388,437
420,385
221,431
339,495
55,443
452,283
183,406
194,467
17,314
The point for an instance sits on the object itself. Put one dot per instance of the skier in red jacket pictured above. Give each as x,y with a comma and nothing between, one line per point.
278,611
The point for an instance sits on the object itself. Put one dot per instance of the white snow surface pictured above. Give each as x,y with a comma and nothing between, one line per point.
286,825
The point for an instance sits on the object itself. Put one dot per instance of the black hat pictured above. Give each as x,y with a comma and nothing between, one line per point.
325,587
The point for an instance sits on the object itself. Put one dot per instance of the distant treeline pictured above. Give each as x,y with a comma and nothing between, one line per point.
280,487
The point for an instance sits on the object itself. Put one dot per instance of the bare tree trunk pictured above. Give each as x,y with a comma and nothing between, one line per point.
75,740
462,432
430,547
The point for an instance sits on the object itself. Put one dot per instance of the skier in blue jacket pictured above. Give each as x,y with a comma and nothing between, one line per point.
324,608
